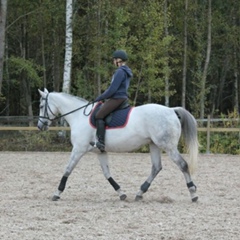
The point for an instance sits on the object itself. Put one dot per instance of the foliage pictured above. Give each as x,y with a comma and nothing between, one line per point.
223,142
34,141
28,67
152,32
220,142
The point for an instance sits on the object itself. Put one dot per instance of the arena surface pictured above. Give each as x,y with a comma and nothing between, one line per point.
90,209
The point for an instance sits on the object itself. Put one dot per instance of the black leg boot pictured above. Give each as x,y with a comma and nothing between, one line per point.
100,134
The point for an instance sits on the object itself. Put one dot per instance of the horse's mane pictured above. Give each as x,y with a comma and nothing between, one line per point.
72,96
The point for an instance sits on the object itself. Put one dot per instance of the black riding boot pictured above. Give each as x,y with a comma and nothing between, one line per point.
100,134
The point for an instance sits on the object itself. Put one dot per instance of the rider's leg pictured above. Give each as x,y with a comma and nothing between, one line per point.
100,134
106,109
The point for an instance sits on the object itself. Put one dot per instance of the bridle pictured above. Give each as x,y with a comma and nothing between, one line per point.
47,108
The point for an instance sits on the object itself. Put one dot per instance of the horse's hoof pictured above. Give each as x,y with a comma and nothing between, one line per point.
195,199
55,198
138,198
123,197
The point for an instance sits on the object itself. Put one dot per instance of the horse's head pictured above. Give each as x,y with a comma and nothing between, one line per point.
47,111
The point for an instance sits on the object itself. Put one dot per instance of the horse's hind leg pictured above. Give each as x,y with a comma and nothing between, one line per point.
183,166
156,168
103,159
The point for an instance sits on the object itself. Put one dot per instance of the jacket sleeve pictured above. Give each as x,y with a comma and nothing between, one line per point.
118,77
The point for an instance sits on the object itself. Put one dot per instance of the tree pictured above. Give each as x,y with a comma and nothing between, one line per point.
236,94
167,68
68,47
204,76
150,43
3,16
169,51
185,56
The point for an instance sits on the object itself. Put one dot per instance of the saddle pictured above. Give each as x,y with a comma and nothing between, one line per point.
116,119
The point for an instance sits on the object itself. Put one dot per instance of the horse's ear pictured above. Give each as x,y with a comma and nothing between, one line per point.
41,93
45,90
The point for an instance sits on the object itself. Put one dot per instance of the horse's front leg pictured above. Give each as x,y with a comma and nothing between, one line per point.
74,159
103,159
156,168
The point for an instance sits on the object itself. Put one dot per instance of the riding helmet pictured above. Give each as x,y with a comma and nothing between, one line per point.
120,54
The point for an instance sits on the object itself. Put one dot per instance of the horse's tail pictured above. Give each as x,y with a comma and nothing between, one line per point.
189,132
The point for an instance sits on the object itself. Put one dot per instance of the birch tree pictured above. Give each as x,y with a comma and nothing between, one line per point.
68,57
3,15
68,47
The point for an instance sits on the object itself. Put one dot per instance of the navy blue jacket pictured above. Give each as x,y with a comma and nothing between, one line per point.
119,84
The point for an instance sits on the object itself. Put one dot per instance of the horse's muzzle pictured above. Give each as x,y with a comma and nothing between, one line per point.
42,127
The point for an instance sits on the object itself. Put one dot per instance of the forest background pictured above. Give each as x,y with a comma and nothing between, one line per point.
182,52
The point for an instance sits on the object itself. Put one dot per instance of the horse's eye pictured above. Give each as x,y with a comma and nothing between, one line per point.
41,107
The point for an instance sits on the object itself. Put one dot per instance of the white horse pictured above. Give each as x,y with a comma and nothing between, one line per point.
152,124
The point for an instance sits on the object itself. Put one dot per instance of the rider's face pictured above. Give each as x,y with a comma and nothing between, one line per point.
117,62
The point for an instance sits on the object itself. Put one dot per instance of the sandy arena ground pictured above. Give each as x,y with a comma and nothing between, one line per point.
90,209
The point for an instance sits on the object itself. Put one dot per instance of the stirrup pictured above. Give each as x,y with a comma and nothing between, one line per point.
93,144
100,146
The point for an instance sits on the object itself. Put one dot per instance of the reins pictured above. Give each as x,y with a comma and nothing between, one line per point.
63,115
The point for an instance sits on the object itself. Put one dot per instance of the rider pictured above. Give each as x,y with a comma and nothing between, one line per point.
116,94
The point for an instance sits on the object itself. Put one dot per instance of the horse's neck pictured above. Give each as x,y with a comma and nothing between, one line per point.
66,104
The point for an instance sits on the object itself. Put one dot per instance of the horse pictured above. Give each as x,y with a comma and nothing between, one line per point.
156,125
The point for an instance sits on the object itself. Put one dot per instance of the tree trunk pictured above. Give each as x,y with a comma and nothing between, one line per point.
218,90
204,76
68,48
149,95
138,84
43,49
28,98
167,57
236,98
98,58
56,71
3,16
24,78
185,57
68,55
222,81
236,103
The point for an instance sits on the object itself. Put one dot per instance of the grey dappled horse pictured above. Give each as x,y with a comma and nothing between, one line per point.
153,124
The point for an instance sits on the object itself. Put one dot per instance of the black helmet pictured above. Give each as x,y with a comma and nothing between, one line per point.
120,54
